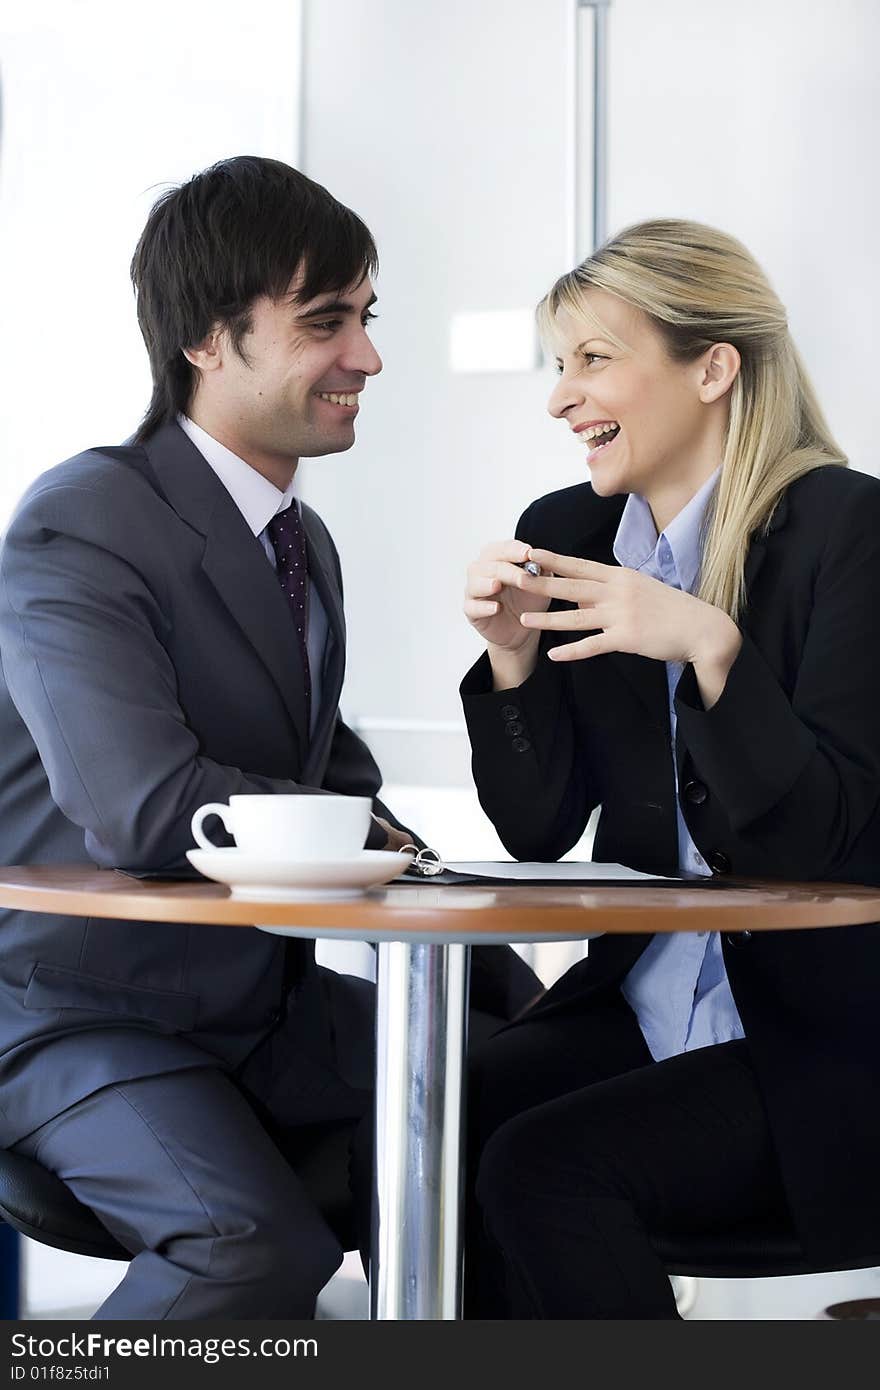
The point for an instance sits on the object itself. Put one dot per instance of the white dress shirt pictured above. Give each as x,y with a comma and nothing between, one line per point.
258,500
678,988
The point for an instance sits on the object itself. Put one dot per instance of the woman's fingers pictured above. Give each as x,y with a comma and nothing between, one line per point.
481,585
570,567
498,572
479,608
572,590
570,620
578,651
508,573
517,552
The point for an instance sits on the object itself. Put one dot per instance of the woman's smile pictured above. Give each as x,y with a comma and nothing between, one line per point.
599,443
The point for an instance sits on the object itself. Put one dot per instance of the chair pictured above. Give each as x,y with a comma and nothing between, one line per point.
39,1205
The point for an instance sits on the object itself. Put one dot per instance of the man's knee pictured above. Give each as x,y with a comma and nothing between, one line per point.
282,1259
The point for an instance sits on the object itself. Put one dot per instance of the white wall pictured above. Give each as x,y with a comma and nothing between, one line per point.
446,127
103,107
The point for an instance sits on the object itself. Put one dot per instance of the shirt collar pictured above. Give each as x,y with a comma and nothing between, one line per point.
257,499
637,541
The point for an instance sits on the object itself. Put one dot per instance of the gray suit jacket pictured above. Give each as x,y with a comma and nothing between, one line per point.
148,667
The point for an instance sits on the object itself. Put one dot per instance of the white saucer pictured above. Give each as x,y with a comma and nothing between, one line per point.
265,880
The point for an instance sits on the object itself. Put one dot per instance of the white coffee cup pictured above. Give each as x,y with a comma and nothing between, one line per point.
292,828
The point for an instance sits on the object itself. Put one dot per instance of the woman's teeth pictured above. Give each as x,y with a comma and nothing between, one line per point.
596,430
600,436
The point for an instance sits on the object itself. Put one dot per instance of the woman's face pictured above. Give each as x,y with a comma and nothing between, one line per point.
668,440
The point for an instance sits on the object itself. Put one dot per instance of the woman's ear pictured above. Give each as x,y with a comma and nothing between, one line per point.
718,371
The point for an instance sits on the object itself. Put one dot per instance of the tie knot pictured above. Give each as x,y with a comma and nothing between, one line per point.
288,520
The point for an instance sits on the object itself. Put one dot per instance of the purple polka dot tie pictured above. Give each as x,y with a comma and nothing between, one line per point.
289,543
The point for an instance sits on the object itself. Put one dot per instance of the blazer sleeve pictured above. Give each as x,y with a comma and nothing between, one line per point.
800,772
526,761
352,771
81,640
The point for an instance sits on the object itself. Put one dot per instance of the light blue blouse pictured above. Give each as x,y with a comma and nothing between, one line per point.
678,988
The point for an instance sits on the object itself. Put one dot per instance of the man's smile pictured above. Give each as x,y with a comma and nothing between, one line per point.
342,400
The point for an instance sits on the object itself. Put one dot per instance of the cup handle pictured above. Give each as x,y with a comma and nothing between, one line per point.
212,808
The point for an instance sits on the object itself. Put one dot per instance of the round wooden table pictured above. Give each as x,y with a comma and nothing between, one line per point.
468,913
425,932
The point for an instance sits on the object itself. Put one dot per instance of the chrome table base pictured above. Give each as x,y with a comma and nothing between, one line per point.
421,1027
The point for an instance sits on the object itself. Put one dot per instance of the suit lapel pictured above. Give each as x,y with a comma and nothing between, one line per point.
234,562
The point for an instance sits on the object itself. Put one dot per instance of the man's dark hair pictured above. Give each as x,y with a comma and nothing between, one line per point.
239,230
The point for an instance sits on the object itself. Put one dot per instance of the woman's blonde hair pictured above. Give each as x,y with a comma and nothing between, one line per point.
700,286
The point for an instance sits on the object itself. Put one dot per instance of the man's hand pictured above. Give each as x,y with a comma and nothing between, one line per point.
396,838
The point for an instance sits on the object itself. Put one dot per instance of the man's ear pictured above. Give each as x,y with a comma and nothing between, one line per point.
718,371
207,355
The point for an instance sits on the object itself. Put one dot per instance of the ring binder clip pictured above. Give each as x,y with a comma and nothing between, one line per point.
427,862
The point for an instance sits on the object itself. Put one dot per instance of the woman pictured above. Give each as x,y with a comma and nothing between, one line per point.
700,657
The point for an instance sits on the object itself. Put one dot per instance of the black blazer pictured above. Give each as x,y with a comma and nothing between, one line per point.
779,779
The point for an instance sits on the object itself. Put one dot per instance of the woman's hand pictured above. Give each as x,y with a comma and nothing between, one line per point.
633,613
495,597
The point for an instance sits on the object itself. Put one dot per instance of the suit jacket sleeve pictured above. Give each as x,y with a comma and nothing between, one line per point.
799,769
81,636
352,771
525,756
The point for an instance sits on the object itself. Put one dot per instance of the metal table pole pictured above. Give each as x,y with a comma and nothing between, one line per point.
421,1033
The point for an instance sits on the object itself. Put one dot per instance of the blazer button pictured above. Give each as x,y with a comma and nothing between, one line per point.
738,938
696,792
513,728
718,861
521,745
509,712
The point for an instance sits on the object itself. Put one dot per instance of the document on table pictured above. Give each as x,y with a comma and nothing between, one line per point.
584,873
564,871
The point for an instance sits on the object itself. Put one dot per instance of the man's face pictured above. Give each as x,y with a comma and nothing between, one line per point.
295,393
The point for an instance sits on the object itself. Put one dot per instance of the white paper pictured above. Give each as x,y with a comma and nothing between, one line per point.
567,869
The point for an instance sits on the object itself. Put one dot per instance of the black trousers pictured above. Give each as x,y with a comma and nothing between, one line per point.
582,1147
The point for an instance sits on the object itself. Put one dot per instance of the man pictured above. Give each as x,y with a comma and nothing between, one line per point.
154,662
